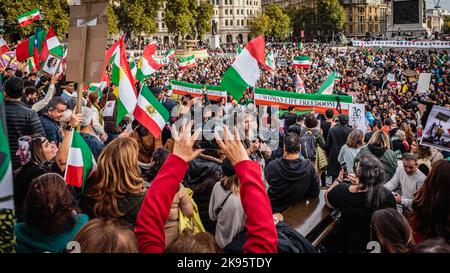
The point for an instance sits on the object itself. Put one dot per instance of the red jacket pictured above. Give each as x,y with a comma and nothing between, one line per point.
261,231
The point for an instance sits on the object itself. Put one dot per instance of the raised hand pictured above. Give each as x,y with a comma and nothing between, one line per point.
184,141
232,146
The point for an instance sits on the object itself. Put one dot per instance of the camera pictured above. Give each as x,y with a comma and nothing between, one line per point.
207,144
344,168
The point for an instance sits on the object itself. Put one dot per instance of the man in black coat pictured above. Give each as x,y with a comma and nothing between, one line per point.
337,137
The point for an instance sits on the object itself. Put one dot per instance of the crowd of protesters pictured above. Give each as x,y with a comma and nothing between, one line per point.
388,187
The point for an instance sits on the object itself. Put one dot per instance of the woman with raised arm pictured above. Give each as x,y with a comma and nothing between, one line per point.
261,232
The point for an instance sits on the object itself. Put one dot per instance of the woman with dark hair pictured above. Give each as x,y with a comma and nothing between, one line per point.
392,230
431,206
52,217
358,201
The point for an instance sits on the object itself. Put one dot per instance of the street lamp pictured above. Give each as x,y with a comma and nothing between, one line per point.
2,23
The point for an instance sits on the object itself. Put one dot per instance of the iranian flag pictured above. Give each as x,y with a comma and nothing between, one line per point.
28,18
170,54
147,65
327,86
150,112
31,66
80,161
123,79
3,46
301,62
244,71
6,172
311,102
270,62
25,49
195,90
187,62
51,45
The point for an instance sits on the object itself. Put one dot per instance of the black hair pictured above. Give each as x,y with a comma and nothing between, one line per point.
14,87
55,101
290,108
311,121
291,143
329,113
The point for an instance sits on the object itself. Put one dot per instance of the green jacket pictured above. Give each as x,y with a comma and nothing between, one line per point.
388,160
32,240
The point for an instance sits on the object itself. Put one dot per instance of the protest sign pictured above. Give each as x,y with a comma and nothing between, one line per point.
424,83
437,130
357,116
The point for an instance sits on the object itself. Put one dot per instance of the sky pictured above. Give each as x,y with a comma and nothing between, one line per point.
445,4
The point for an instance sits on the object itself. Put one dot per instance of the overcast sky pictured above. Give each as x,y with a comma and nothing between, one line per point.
445,4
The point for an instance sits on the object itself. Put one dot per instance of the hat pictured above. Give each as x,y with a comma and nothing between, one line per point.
343,118
228,168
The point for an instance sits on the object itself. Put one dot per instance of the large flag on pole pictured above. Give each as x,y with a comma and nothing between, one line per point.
80,161
150,112
122,78
6,173
147,65
51,45
244,71
29,17
327,86
25,49
270,62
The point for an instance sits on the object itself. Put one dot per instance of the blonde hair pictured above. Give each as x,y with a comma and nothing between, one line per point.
230,183
117,174
380,139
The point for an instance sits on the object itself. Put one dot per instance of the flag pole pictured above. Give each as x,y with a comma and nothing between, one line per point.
82,68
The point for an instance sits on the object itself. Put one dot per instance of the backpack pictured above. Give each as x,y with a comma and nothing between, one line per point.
308,146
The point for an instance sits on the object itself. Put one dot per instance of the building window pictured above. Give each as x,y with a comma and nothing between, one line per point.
350,29
226,2
226,23
242,22
361,29
242,11
237,12
231,22
217,2
162,14
163,25
360,18
360,10
231,12
226,12
231,2
237,22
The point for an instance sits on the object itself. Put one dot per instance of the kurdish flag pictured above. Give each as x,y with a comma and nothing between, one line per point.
80,161
51,45
169,54
327,86
28,18
6,173
25,49
150,112
187,62
244,71
147,65
301,62
133,67
123,79
270,62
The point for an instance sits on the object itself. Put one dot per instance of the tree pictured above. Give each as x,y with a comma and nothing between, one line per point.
203,17
332,15
301,18
260,25
56,15
446,27
179,17
137,16
113,21
280,23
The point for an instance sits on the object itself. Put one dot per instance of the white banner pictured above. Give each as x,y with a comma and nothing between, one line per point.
408,44
357,116
424,82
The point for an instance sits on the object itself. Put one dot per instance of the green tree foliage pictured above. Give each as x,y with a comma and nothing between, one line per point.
56,15
113,21
280,22
137,16
301,18
260,25
446,28
179,17
332,15
203,17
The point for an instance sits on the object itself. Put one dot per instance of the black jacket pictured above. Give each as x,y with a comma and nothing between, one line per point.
290,181
20,121
337,137
52,129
